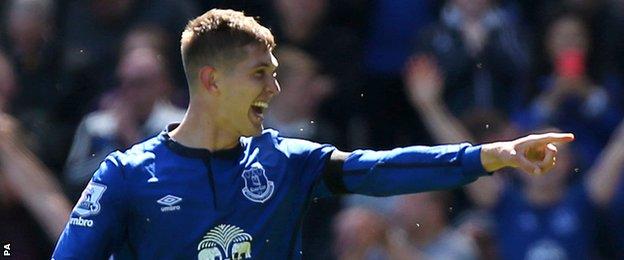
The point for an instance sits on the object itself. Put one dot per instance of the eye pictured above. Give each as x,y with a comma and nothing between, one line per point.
259,74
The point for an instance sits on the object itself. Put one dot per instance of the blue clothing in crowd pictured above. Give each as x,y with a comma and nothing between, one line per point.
592,120
559,231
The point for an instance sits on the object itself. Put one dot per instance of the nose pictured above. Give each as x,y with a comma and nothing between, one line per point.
274,87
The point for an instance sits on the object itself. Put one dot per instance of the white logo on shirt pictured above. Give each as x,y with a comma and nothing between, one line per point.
169,201
89,203
81,222
225,242
258,188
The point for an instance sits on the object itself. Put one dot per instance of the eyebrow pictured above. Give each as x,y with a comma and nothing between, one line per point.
264,65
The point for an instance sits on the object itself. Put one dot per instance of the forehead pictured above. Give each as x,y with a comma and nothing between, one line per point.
258,56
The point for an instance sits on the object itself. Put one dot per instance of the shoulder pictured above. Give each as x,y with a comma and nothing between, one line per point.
271,137
138,158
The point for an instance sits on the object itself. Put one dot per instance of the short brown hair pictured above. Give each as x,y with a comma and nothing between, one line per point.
217,37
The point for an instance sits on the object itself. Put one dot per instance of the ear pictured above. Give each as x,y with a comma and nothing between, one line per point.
207,79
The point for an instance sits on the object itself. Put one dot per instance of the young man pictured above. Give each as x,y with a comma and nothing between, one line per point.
218,186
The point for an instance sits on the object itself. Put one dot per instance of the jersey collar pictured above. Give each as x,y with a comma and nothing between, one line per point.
178,148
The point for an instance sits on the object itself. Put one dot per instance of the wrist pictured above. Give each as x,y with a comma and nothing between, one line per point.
491,157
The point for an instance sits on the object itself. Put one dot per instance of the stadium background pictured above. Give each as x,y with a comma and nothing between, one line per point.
82,78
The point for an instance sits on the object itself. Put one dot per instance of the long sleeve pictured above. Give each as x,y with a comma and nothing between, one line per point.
97,222
411,169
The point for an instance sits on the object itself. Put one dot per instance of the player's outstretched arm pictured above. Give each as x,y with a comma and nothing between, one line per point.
425,168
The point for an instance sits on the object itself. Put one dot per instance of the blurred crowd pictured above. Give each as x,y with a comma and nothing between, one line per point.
82,78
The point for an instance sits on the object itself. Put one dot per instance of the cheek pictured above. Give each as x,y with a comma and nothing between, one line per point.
237,105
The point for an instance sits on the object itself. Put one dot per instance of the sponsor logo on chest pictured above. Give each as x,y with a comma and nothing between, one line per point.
225,242
169,202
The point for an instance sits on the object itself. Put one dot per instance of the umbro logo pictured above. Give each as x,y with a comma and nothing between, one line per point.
170,202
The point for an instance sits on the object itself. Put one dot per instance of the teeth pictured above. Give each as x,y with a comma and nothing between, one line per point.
260,104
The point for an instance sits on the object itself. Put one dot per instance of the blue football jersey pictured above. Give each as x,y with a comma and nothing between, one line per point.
173,202
163,200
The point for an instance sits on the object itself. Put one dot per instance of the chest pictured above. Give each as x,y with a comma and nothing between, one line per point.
183,205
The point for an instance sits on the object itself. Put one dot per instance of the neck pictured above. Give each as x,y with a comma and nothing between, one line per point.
200,131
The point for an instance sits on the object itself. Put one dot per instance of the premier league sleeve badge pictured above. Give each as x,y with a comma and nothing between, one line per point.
89,203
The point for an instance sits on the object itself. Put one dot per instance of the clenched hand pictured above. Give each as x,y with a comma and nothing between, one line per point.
533,154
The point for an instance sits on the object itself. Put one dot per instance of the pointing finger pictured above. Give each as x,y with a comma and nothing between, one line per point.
540,140
554,138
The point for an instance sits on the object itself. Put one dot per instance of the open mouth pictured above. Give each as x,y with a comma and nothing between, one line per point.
258,108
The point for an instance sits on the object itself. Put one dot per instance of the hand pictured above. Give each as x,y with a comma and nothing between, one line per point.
423,80
533,154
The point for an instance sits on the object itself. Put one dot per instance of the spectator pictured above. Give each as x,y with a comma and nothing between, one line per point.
305,24
341,63
295,111
569,98
419,230
538,15
8,86
613,159
612,46
31,45
137,109
424,219
542,217
29,193
393,28
91,30
388,45
480,52
360,234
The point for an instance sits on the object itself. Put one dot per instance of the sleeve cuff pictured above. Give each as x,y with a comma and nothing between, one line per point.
472,163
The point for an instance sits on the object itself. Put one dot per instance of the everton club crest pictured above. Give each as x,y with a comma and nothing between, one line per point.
257,187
